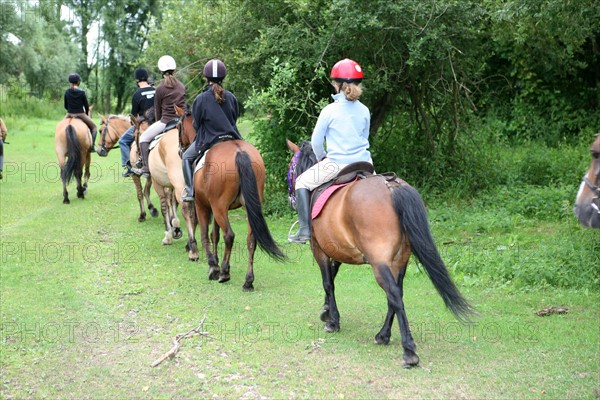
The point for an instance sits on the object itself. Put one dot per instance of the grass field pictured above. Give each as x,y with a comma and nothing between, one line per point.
90,299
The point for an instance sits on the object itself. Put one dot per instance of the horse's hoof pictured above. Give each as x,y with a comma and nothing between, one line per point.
330,328
177,233
224,278
66,201
380,339
154,212
325,314
213,274
142,217
193,257
410,360
248,287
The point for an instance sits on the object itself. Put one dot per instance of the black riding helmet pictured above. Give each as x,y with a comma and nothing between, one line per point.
141,74
215,70
74,78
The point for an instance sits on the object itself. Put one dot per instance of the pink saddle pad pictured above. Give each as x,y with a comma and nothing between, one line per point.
322,200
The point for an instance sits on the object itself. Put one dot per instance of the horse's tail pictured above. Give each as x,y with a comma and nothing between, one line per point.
73,165
414,223
249,189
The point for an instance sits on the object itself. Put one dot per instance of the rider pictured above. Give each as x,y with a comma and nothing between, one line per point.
3,132
142,100
344,125
77,106
215,112
170,92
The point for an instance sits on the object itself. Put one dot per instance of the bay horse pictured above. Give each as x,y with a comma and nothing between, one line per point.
233,176
111,130
379,220
587,203
72,142
166,175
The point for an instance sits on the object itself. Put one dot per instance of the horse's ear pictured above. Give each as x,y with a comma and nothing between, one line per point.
179,111
292,146
134,120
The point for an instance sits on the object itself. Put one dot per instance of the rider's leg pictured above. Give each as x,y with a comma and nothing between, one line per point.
187,162
125,147
147,137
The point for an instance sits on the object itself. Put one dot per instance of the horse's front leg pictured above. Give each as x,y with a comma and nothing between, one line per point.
140,196
173,218
222,222
151,208
165,210
189,214
251,245
86,175
61,163
335,266
203,216
327,274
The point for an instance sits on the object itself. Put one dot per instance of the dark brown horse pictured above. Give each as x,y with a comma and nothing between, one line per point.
111,130
587,203
378,220
72,142
233,176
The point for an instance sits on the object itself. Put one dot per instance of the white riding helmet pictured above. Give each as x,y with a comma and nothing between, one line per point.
166,63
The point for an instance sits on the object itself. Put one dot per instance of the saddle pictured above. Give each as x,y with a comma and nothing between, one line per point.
170,125
349,174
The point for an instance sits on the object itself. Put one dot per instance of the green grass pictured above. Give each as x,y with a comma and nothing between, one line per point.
90,298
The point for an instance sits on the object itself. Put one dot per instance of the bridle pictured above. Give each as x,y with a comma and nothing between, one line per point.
291,179
103,136
594,186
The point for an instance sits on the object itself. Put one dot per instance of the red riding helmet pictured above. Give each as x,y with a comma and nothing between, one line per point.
347,70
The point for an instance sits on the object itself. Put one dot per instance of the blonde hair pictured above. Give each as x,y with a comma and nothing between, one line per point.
352,91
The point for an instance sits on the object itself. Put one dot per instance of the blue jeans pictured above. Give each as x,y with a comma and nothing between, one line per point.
125,144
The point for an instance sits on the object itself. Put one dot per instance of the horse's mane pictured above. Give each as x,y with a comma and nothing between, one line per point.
307,157
118,116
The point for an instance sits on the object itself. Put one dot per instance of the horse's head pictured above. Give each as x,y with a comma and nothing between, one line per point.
302,159
111,129
587,203
185,127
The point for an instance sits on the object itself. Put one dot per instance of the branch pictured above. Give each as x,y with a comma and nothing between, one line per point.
177,341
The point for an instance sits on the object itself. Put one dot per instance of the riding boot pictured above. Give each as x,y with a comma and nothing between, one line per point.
188,177
93,149
303,207
144,152
128,172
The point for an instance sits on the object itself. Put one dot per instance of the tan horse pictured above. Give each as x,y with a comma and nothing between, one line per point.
587,203
111,130
233,176
72,142
167,179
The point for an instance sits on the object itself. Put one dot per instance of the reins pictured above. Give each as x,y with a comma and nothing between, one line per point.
103,136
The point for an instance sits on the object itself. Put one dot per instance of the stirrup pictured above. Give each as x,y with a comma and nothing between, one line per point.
186,197
297,238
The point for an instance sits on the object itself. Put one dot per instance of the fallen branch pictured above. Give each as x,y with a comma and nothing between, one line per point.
178,338
552,310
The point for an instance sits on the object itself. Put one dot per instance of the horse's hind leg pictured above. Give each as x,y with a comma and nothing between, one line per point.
203,218
175,223
386,280
222,222
335,266
187,209
251,245
383,337
140,196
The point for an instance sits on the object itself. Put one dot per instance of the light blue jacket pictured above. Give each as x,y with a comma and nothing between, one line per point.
344,125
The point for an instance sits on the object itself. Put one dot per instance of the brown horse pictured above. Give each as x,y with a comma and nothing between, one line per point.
111,130
72,142
378,220
587,203
167,178
233,176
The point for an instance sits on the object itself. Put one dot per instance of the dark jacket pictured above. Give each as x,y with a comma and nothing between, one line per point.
142,100
76,101
214,121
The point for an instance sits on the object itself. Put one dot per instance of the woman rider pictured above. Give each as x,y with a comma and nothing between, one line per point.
344,125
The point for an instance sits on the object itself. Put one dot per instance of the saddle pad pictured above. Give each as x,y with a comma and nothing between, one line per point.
155,141
322,199
200,162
